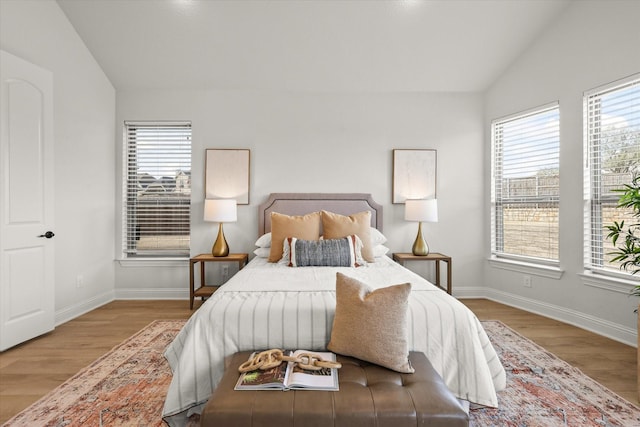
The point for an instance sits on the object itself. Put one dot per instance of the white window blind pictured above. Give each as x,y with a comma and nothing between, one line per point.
612,150
157,189
525,185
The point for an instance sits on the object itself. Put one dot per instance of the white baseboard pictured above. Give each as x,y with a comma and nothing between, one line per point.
469,292
151,294
591,323
71,312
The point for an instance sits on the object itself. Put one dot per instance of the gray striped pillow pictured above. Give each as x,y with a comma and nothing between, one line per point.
343,252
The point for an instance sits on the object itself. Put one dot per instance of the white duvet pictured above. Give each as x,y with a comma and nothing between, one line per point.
269,305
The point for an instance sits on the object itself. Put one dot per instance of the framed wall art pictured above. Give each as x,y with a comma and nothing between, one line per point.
414,174
227,174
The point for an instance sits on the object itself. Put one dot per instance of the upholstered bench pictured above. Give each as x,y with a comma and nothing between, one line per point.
369,396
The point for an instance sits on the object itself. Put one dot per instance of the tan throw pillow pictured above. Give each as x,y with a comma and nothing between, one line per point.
305,227
335,226
371,324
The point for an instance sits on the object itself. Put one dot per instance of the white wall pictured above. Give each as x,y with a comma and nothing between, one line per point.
84,112
328,142
592,43
324,142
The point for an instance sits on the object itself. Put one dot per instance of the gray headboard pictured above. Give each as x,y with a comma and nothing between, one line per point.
304,203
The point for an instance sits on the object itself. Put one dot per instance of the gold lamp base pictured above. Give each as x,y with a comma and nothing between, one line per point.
220,247
420,247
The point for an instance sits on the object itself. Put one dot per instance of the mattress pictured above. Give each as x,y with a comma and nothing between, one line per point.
269,305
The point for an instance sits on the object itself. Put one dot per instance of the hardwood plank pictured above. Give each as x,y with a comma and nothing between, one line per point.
30,370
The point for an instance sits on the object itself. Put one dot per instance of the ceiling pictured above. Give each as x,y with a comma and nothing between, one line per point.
312,45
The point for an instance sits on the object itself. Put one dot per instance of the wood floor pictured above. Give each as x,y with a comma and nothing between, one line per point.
29,371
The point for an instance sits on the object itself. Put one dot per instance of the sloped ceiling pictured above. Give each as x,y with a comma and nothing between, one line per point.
312,45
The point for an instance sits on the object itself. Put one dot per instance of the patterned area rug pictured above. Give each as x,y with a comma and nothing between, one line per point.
126,387
545,391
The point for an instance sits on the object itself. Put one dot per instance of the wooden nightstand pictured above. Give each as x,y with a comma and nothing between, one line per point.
401,258
204,290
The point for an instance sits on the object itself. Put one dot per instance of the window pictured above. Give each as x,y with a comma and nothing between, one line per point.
612,150
157,189
525,185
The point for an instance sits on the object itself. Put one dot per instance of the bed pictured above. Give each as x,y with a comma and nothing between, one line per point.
271,305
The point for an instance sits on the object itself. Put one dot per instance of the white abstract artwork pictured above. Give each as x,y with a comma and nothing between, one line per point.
414,174
227,175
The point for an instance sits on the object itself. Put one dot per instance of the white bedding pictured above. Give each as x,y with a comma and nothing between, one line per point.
269,305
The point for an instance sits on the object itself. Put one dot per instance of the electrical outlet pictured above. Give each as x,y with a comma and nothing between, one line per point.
526,281
79,281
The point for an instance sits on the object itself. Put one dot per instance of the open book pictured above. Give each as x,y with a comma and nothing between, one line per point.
289,376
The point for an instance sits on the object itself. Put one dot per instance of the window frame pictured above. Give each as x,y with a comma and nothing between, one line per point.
541,266
595,270
129,256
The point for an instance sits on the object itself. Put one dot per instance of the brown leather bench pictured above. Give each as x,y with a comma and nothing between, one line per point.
369,396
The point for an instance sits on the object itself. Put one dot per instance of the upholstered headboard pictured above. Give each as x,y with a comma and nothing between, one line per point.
304,203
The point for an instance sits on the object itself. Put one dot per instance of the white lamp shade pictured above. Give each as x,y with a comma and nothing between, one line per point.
220,210
421,210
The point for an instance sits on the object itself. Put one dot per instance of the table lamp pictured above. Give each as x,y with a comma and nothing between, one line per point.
220,210
421,210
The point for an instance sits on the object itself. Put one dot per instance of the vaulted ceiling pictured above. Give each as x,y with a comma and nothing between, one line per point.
311,45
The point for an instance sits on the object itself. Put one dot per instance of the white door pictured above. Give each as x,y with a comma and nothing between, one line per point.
26,201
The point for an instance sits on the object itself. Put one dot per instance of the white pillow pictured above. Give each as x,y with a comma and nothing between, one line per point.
264,241
377,238
379,251
262,252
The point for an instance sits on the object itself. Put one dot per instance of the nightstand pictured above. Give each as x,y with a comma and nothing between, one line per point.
204,290
401,258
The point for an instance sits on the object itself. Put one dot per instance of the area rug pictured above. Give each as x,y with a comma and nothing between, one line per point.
127,386
545,391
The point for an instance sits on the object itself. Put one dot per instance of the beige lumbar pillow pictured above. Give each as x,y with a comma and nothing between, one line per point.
371,324
306,227
336,226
